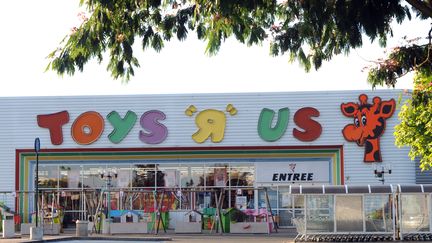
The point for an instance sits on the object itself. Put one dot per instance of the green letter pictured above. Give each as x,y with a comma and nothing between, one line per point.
265,131
121,126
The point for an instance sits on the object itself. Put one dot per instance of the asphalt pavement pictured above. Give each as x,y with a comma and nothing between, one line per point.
283,236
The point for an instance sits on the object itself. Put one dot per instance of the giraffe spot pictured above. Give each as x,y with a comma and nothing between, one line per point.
387,109
349,109
379,129
377,156
368,147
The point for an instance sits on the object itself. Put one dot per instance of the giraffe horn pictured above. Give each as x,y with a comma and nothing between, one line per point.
363,99
376,102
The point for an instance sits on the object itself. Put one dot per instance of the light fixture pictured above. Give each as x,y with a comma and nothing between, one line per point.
381,170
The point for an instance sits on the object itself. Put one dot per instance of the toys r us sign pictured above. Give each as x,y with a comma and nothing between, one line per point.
211,123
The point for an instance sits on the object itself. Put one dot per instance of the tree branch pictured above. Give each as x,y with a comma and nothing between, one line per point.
423,6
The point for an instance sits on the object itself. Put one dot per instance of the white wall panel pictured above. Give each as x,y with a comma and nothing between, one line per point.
18,125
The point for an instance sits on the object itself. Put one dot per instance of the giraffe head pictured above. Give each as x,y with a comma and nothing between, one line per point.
368,125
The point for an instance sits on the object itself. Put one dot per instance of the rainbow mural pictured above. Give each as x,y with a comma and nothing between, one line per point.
25,160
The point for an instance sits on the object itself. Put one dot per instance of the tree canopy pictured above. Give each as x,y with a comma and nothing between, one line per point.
308,31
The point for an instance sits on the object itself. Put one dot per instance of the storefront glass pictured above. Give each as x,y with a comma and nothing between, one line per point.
320,213
415,213
216,174
349,213
48,176
143,175
92,176
242,174
195,176
70,176
168,175
198,177
120,175
378,213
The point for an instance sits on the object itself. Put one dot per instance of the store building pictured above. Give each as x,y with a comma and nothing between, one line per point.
201,141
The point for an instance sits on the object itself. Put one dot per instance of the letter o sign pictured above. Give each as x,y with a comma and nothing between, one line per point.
87,128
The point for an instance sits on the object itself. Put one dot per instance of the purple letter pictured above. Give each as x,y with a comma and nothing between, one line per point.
154,132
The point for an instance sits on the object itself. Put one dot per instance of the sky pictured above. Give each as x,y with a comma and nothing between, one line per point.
30,30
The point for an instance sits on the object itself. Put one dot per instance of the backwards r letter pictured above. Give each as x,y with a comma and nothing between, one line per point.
211,123
369,124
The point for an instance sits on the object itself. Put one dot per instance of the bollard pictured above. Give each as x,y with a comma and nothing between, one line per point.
8,226
106,230
81,228
36,233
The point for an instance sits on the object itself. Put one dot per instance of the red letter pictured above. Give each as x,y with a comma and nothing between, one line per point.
54,123
312,129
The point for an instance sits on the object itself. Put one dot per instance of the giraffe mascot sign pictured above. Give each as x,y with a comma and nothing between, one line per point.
369,124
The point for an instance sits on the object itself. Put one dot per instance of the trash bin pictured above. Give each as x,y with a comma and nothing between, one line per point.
36,233
226,219
81,228
8,225
208,218
106,227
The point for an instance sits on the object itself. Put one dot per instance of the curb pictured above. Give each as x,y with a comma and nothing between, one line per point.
100,238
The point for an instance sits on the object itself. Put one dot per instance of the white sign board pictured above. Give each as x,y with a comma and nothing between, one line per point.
241,202
293,172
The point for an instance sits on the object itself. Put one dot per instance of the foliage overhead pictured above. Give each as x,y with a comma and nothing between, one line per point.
415,128
309,31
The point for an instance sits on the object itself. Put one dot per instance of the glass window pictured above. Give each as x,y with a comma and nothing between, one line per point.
272,197
320,213
216,175
209,175
168,175
143,175
285,198
415,213
192,175
242,174
70,176
120,175
378,213
285,217
349,213
92,176
48,176
299,201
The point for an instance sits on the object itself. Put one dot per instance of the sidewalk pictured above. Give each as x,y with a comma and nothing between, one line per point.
283,236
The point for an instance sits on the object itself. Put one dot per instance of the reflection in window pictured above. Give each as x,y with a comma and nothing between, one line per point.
299,201
285,198
48,176
195,176
378,213
272,197
217,175
168,175
349,213
70,176
209,175
92,176
242,174
123,175
143,175
320,213
415,213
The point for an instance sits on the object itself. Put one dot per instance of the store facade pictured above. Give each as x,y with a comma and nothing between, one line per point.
200,141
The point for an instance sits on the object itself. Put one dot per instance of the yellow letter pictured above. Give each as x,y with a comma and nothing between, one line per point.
210,123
